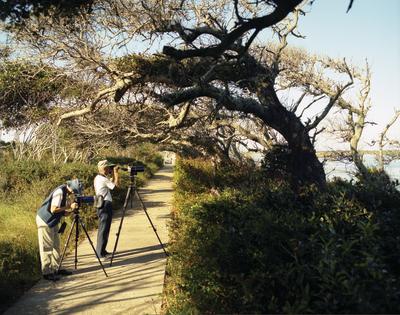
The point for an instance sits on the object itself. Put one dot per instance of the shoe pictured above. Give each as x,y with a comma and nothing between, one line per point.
64,272
105,258
51,277
103,254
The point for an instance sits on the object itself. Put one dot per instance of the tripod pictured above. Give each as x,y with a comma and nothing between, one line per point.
132,191
77,220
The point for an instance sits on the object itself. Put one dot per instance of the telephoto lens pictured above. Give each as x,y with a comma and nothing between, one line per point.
85,200
133,170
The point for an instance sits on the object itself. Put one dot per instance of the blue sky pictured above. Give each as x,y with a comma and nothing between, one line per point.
370,30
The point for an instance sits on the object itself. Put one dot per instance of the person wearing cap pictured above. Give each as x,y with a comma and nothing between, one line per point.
48,217
104,182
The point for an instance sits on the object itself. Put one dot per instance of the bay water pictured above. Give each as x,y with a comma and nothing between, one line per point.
347,170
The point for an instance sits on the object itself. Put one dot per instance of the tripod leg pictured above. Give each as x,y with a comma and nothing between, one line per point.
66,245
76,243
127,197
152,225
91,244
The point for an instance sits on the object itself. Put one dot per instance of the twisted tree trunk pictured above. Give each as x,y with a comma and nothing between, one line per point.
303,164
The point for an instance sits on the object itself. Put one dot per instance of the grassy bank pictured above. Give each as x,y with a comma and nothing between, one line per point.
242,242
23,186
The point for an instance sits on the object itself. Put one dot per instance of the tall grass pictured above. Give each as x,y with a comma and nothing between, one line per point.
19,258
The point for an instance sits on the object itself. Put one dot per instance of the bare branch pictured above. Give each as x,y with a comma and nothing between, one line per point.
315,100
383,135
328,107
281,11
177,122
350,5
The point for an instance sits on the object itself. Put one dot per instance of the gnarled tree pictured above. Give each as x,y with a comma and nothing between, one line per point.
209,59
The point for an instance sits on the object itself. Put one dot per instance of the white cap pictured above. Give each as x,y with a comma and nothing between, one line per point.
104,163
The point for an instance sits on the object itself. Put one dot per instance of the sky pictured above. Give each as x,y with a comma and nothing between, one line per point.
370,30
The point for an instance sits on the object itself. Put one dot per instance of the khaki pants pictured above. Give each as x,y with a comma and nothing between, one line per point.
49,246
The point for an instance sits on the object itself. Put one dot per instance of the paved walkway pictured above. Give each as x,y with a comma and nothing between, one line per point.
135,280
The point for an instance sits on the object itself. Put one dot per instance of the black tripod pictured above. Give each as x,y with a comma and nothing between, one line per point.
132,191
77,220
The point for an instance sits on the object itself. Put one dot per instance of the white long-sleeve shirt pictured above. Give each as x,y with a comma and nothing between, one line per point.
102,186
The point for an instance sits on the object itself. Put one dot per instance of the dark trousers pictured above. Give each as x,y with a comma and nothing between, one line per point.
105,217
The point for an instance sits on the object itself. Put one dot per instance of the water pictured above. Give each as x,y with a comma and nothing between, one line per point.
347,170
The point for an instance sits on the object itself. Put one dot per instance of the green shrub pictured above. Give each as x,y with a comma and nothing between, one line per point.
262,248
20,175
158,160
19,266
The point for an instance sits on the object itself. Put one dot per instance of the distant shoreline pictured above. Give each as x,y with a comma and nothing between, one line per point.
336,153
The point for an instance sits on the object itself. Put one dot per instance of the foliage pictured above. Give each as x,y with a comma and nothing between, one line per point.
16,11
195,97
154,65
17,257
378,193
210,90
262,248
277,162
23,85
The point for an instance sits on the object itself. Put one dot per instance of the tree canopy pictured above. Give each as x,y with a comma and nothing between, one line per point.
17,11
212,89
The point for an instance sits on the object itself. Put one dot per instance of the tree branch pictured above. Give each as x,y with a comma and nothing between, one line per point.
328,107
383,135
283,8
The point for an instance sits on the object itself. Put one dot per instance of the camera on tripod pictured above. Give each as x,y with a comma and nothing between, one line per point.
133,169
80,199
97,201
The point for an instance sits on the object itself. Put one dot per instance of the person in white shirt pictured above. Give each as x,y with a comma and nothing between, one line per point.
103,186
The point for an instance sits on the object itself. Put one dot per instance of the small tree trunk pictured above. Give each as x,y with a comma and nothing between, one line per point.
356,156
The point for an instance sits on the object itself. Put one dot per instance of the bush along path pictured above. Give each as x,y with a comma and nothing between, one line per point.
135,280
242,242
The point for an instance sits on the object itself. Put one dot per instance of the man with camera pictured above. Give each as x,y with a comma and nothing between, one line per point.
48,217
103,186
